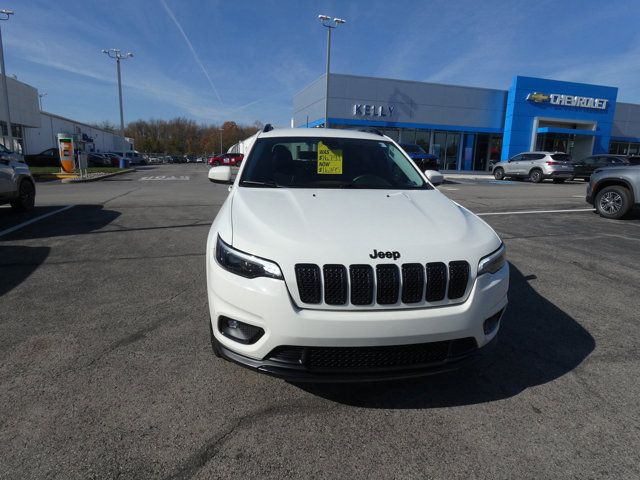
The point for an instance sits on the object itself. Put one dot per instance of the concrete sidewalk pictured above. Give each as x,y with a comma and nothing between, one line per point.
466,175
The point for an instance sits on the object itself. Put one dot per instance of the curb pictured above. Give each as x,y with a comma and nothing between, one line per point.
95,179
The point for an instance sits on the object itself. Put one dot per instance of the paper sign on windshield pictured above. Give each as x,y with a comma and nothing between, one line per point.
329,161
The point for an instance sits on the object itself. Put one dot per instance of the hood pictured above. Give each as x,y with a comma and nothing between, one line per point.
325,226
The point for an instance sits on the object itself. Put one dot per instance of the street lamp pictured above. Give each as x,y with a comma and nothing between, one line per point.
330,25
41,96
4,15
117,55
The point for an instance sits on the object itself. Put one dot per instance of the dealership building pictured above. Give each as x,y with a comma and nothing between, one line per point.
469,127
34,131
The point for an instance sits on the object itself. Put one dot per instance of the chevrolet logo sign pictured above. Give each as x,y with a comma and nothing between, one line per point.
538,97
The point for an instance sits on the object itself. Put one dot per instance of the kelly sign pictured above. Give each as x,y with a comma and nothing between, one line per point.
369,110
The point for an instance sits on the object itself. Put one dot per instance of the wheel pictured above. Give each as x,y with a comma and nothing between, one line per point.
214,342
535,176
558,180
26,196
613,202
498,174
215,164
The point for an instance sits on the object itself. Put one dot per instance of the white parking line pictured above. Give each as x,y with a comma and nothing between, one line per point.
34,220
164,177
524,212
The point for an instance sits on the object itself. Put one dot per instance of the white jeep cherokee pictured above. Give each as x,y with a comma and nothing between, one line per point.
334,258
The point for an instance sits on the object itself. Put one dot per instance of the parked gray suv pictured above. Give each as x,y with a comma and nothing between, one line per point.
614,190
536,166
16,183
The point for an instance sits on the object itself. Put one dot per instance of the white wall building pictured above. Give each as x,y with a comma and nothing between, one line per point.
35,131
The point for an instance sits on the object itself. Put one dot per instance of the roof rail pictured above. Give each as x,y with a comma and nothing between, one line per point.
375,131
267,128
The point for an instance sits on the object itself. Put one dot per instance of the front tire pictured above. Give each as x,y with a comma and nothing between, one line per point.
535,176
613,202
26,197
498,174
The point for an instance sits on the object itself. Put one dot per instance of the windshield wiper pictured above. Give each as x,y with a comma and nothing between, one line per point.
254,183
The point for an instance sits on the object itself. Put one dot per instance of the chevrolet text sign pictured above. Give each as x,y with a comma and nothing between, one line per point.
568,100
368,110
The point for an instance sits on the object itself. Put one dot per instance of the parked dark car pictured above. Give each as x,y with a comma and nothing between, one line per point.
48,158
633,160
585,167
98,160
231,159
424,160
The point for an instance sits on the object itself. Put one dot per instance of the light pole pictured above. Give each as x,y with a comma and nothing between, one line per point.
330,25
4,15
116,54
41,96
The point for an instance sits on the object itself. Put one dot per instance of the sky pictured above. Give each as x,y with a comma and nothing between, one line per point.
243,60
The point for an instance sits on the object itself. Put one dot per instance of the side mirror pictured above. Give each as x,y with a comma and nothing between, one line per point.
434,177
220,174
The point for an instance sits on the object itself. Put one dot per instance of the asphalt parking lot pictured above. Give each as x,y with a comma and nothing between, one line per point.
106,368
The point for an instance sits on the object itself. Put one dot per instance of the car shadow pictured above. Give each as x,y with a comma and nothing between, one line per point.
78,220
538,343
17,262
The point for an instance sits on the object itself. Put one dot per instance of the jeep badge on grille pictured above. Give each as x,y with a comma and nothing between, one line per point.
376,254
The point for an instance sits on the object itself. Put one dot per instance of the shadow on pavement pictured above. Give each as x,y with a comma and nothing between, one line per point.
537,343
17,263
80,219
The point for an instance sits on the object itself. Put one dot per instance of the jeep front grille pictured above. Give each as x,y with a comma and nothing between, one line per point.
362,285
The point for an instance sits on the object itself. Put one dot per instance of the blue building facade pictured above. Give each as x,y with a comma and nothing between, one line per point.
469,128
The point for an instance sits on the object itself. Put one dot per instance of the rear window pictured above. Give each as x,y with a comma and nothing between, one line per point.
561,157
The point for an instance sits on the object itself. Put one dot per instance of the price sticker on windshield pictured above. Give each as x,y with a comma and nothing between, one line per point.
329,161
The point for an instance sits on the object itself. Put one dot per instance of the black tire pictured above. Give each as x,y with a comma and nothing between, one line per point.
26,196
214,343
498,173
559,180
613,202
535,176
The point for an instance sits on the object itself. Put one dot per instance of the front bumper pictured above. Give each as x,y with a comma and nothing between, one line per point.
266,303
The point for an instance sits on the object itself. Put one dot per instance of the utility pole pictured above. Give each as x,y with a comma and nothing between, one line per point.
330,25
117,55
4,15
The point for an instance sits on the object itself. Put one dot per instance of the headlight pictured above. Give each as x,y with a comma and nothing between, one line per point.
244,264
493,262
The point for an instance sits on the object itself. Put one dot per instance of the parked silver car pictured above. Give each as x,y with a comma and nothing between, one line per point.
16,183
614,190
536,166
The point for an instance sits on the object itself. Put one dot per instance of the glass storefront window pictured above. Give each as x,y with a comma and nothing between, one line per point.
392,133
451,159
407,135
423,137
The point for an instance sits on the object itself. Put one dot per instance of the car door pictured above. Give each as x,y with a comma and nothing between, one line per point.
511,167
7,183
581,167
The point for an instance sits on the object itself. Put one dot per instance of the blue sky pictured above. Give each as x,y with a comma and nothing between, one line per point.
243,60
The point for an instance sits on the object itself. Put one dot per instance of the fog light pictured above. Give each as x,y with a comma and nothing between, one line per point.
491,323
239,331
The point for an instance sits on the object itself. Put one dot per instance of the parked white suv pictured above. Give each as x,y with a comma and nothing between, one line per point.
536,166
333,257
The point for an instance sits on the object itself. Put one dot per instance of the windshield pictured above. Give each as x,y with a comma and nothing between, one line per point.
316,162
